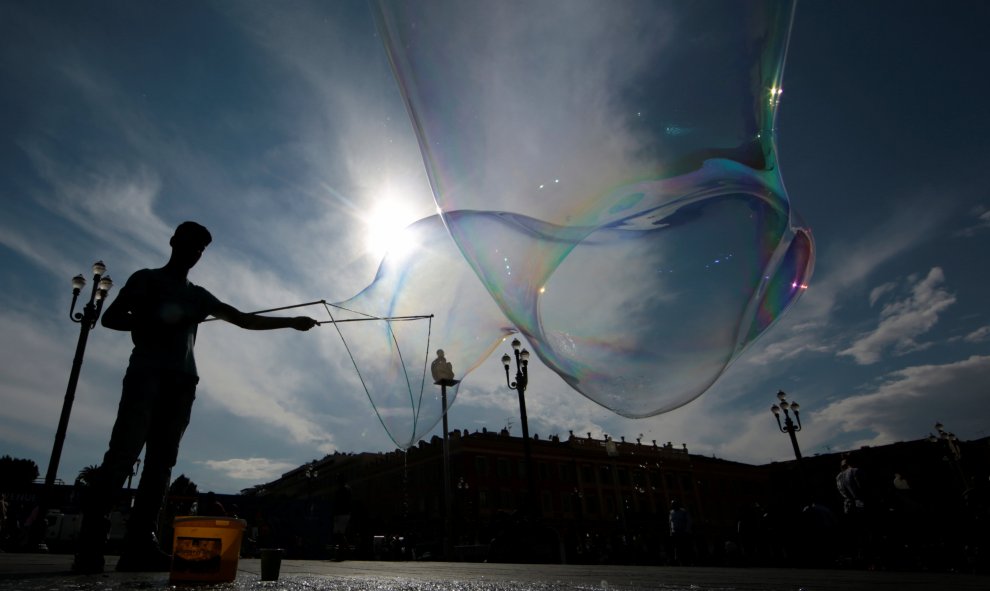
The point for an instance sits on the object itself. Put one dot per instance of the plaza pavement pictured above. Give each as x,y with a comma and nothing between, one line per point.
50,572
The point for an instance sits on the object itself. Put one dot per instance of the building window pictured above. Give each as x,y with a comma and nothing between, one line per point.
591,504
547,500
481,465
483,502
566,472
544,471
502,468
587,475
505,500
567,502
521,468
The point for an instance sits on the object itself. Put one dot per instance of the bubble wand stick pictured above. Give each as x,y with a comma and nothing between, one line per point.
334,321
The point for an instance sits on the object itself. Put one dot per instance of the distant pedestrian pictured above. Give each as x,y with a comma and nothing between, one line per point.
341,517
680,534
3,520
850,485
212,506
751,530
857,510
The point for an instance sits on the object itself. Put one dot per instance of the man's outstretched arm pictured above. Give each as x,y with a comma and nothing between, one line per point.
118,316
255,322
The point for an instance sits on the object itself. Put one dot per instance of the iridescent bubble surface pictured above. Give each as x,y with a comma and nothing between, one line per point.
392,359
608,171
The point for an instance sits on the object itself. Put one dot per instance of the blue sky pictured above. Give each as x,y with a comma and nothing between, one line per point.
282,129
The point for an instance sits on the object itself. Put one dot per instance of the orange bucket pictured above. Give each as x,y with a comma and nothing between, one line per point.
206,549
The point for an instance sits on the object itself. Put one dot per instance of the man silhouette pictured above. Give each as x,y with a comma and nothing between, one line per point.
162,310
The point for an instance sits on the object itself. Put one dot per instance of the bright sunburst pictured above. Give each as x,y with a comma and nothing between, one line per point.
385,226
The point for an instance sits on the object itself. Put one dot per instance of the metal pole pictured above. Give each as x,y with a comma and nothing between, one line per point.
794,442
522,380
447,521
527,448
70,396
788,426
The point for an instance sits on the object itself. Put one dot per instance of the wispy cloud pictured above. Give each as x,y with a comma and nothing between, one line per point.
981,223
878,292
902,321
980,335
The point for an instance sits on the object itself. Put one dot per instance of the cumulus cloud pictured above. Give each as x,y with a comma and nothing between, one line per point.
902,321
250,469
909,401
903,406
807,328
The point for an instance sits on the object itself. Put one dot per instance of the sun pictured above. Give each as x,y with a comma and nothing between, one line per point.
385,227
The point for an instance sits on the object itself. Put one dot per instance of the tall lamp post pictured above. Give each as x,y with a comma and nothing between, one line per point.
443,376
87,321
522,380
788,426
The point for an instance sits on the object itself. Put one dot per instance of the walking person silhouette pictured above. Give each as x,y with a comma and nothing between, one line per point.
161,309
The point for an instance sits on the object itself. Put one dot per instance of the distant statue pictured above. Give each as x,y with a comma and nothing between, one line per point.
441,368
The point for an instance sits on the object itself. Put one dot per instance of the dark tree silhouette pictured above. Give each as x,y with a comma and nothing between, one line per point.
182,493
182,487
17,472
86,475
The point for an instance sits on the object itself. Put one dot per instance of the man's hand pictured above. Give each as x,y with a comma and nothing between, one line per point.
303,323
258,322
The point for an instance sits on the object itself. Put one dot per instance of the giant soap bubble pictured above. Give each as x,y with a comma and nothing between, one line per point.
392,358
608,173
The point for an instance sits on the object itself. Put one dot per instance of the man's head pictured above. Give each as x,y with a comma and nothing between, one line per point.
188,243
193,234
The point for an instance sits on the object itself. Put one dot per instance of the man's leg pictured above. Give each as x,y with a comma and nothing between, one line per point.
126,440
171,411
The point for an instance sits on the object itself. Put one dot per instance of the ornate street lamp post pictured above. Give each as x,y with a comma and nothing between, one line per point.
788,426
791,427
87,321
522,380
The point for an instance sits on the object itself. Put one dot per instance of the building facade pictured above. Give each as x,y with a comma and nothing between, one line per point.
606,500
